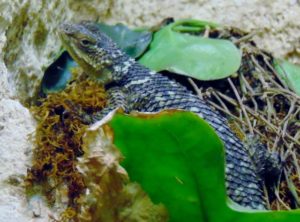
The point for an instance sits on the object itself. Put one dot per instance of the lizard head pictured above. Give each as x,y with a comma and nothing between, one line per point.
94,51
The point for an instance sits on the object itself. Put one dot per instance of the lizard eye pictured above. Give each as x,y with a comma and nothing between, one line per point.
85,42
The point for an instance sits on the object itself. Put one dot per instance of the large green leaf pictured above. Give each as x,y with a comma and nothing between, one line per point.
289,73
190,55
179,161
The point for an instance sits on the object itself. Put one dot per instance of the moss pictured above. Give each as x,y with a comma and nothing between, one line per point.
58,140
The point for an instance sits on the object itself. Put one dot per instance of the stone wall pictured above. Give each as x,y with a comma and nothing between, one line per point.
276,21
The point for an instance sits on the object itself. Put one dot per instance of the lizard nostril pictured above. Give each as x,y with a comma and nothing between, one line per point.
66,28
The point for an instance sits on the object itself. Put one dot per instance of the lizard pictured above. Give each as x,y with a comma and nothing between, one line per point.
133,87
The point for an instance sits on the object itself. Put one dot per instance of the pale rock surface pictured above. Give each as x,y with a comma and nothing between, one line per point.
28,44
276,20
15,126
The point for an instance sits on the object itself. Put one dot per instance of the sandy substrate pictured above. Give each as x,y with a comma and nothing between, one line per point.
28,44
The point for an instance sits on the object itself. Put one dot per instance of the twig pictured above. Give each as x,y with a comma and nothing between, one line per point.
281,201
220,101
265,84
283,91
195,87
207,30
289,115
245,37
256,115
241,104
234,117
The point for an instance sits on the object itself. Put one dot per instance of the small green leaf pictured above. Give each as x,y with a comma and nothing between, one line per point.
133,42
192,25
179,161
289,73
190,55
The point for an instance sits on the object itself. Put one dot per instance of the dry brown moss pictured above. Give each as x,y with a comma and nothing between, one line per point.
58,140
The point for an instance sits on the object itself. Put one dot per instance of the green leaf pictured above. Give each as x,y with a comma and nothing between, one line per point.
179,161
133,42
289,73
190,55
192,25
161,153
58,74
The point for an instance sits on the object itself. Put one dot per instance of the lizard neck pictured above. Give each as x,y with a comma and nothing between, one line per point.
116,72
125,70
121,68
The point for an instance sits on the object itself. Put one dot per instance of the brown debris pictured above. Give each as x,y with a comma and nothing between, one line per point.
58,141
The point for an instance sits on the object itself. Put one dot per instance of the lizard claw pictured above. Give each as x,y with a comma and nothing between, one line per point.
104,120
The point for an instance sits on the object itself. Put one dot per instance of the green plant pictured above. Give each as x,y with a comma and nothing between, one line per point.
179,161
175,50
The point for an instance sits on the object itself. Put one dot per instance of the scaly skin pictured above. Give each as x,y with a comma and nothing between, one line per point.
134,87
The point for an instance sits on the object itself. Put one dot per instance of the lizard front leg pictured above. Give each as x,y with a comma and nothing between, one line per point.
116,100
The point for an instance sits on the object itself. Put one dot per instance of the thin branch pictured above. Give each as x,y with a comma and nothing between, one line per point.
245,38
195,87
241,105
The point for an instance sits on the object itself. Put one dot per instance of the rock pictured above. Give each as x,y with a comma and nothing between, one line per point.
29,41
275,20
15,126
28,44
